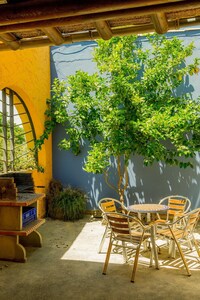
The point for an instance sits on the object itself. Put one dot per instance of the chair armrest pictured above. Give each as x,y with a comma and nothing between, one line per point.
170,224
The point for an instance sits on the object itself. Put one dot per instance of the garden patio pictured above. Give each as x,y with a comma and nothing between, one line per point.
68,266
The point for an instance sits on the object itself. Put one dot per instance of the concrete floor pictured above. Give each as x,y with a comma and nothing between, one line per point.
69,267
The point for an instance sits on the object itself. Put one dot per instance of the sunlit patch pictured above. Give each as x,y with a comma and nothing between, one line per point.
85,248
86,245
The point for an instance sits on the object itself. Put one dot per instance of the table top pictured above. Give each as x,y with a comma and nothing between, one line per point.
147,208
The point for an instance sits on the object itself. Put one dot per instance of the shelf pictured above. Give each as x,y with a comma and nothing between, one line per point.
14,237
25,230
23,199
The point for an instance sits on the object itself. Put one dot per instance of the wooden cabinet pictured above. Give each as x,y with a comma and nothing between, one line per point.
13,235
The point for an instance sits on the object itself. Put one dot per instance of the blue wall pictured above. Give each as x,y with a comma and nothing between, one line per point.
147,184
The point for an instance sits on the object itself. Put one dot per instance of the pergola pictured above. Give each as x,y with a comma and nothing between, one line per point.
36,23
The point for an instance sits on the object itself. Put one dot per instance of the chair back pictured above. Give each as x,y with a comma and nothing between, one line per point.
192,219
189,222
121,226
110,205
178,205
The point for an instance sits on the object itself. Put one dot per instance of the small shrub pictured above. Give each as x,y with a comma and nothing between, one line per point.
67,203
55,188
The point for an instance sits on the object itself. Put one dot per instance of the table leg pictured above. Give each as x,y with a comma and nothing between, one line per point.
154,247
148,218
172,249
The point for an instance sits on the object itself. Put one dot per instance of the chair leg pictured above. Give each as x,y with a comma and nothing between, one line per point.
183,257
124,252
151,258
146,244
103,239
154,247
189,243
196,246
135,264
107,258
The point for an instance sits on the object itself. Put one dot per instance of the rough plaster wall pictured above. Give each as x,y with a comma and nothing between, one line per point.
147,184
27,72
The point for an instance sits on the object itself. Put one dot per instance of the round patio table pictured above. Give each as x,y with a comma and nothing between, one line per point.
148,209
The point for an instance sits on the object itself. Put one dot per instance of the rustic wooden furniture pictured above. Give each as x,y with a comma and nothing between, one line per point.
13,236
22,182
124,235
149,209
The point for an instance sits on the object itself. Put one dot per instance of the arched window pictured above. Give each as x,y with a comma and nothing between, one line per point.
17,135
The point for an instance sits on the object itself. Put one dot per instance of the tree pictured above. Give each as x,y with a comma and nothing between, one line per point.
130,106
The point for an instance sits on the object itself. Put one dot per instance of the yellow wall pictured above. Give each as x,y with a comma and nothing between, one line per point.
27,72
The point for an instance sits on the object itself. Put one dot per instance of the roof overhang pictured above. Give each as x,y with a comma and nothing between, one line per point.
36,23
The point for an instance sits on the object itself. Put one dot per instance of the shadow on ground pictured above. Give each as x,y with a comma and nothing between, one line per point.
68,266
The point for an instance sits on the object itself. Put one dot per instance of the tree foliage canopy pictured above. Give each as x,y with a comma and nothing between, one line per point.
130,106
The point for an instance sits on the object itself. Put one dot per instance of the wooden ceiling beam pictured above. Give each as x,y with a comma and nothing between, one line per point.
103,29
9,40
54,35
89,18
45,42
160,23
24,12
87,36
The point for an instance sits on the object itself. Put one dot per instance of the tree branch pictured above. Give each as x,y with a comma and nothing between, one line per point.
108,183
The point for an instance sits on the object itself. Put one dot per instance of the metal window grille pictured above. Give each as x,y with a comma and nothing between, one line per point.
17,135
